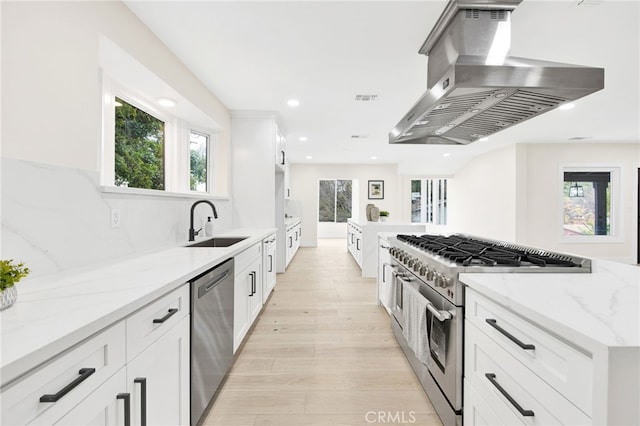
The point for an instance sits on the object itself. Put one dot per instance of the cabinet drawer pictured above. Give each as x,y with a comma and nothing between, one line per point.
476,410
104,352
488,367
155,319
244,259
566,369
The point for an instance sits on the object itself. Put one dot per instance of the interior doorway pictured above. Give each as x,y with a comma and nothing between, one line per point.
638,224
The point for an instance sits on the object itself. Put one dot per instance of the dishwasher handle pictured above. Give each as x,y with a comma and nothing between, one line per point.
208,286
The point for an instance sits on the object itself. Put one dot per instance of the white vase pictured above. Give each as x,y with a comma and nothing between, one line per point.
383,218
8,297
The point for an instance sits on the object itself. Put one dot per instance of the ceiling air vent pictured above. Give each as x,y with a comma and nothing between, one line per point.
498,15
472,13
359,136
366,98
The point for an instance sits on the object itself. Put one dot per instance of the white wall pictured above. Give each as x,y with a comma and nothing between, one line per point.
304,194
482,196
54,215
513,194
544,205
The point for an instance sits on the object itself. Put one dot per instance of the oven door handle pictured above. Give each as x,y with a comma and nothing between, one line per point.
439,315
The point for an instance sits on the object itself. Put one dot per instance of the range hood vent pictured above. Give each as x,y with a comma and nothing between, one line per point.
475,89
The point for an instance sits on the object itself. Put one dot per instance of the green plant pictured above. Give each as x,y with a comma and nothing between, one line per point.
384,213
11,273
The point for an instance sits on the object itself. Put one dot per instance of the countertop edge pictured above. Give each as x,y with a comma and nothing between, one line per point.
19,366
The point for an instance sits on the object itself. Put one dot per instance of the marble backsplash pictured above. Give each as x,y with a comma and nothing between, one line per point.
55,218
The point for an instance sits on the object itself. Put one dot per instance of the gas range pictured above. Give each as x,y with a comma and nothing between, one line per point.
439,259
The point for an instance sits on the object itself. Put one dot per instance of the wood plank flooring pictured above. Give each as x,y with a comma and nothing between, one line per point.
322,353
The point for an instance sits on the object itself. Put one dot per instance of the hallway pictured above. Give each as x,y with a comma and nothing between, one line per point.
322,353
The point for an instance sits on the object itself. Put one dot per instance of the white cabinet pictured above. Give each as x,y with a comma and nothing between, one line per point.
247,299
46,395
354,238
260,158
280,149
90,383
158,380
524,374
294,238
268,266
384,278
106,406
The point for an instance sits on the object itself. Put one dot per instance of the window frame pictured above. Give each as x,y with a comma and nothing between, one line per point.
210,163
335,199
433,208
616,225
177,168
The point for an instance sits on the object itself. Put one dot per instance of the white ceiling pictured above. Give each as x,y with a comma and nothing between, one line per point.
257,55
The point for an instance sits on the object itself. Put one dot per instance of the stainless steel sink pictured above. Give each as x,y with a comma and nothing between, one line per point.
218,242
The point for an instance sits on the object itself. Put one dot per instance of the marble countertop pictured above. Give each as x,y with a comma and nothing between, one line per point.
56,311
596,311
388,222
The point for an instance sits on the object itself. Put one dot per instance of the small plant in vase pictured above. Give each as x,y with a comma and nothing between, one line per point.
383,215
10,274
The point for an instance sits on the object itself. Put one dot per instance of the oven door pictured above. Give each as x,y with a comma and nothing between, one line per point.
399,275
444,329
444,335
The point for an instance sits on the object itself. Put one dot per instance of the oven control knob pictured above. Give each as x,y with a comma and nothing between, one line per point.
411,262
447,281
423,270
416,266
438,280
429,274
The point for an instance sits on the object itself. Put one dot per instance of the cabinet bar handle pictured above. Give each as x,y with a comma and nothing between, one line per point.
270,263
166,317
526,346
494,382
143,399
84,375
127,407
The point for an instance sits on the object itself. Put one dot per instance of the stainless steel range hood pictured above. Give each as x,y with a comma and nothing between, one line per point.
474,88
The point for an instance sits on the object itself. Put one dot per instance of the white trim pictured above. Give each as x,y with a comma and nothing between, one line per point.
157,193
617,224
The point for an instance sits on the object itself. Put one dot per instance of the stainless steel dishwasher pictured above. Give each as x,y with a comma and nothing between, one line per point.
211,335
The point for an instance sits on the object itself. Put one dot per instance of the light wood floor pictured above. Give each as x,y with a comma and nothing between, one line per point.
322,353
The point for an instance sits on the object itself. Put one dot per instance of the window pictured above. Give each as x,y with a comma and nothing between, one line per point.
198,158
429,201
416,201
139,148
587,203
334,200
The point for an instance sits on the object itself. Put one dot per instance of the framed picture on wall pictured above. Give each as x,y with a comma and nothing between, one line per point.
376,190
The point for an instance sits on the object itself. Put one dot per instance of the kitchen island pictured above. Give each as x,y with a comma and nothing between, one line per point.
362,241
566,347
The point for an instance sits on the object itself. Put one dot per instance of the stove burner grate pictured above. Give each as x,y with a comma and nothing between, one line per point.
467,251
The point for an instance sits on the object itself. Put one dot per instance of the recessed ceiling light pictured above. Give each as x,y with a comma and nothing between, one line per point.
166,102
483,139
308,157
374,158
446,154
293,102
567,106
302,138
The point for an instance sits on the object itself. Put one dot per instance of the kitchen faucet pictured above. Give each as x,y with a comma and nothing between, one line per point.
193,232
